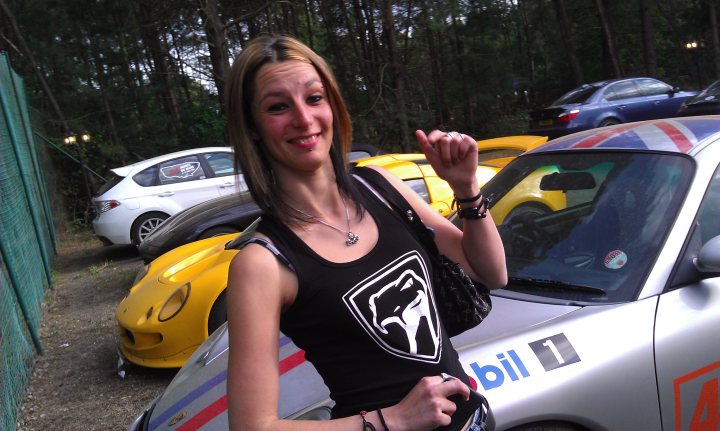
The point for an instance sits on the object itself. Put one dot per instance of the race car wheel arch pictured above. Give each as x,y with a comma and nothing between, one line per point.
217,231
218,313
609,122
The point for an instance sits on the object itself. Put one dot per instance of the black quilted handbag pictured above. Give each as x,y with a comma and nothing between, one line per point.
462,302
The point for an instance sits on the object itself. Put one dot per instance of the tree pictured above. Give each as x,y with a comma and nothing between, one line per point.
396,73
146,78
216,36
609,35
648,38
569,40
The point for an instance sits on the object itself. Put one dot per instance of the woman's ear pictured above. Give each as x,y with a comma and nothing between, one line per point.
254,135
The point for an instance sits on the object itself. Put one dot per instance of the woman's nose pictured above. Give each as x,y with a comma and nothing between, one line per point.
303,116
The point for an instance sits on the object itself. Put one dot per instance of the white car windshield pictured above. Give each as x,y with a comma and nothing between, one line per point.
586,226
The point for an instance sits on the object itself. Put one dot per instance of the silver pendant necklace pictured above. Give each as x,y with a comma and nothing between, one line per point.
352,238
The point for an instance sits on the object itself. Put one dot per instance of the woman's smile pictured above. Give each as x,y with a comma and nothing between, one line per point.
307,142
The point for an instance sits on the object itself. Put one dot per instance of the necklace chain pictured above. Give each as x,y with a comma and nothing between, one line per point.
352,238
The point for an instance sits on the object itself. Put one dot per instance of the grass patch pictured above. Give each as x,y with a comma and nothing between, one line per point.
97,269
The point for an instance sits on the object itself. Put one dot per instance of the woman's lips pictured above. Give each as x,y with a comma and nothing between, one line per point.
306,143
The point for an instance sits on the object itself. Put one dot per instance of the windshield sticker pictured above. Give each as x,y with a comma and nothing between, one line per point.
616,259
696,399
554,352
182,170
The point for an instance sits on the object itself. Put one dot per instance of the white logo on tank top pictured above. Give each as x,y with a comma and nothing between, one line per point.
396,308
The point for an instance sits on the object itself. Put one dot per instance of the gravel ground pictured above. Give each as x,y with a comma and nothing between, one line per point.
74,385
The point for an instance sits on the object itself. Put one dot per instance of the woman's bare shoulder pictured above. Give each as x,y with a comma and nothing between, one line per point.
260,263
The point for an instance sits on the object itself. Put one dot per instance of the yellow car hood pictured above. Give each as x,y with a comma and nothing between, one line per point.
175,268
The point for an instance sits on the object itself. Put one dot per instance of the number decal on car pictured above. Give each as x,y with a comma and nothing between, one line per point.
699,389
554,352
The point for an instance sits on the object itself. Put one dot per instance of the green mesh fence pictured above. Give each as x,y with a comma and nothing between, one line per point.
27,245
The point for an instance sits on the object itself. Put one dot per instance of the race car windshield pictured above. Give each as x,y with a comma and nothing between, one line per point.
586,226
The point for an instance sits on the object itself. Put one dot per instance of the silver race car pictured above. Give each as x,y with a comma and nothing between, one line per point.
611,317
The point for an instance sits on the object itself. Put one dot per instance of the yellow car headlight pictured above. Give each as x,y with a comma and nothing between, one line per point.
174,303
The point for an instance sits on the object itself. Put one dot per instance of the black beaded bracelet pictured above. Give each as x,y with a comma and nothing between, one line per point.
468,200
382,420
457,201
476,212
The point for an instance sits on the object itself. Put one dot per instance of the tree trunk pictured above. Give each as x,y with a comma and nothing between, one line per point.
441,110
366,49
160,76
388,24
459,51
216,36
528,54
609,38
308,22
569,41
715,37
101,78
335,47
648,38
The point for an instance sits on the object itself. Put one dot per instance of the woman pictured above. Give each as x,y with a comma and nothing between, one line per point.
291,132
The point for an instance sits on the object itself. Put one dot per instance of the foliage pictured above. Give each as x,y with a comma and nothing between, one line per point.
146,78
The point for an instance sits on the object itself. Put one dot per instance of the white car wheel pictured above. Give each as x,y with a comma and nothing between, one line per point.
145,225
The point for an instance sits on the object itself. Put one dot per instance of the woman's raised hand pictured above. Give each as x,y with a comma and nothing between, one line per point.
453,155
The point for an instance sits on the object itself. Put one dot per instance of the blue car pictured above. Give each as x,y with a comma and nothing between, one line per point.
607,103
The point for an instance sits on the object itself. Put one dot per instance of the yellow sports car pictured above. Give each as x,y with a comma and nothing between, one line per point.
414,169
179,298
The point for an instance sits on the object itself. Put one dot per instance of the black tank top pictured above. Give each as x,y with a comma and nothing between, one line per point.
370,326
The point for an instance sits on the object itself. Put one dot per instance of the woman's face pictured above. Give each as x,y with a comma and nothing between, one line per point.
292,115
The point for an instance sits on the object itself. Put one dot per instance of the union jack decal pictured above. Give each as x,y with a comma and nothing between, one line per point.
676,135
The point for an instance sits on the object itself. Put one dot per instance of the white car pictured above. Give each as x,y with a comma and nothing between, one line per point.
139,197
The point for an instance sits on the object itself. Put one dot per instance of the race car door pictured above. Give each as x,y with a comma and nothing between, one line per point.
687,347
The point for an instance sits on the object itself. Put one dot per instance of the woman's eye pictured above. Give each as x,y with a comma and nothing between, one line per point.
315,99
277,107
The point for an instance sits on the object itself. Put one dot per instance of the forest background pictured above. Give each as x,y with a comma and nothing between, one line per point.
146,77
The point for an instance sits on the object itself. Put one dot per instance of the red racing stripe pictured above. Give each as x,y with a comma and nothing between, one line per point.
594,140
205,415
678,137
220,405
291,361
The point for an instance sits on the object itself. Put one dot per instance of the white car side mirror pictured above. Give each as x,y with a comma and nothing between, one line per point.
708,260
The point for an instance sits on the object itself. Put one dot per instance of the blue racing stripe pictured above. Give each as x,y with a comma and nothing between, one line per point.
187,399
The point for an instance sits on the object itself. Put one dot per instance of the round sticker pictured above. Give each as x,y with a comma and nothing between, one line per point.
615,259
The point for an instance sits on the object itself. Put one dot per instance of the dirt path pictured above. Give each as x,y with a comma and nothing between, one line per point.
74,385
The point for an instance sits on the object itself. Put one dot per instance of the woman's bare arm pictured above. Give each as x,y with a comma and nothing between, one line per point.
478,247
